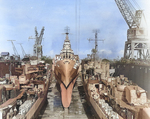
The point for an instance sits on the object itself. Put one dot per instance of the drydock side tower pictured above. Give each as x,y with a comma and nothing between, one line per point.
137,45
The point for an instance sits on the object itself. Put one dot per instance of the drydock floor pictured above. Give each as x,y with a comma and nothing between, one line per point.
78,109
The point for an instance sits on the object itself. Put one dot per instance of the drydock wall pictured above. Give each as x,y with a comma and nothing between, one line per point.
138,74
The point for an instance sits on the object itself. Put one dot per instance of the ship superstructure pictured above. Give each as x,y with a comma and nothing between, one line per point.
114,97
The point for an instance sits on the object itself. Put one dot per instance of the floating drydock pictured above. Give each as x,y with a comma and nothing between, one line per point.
66,66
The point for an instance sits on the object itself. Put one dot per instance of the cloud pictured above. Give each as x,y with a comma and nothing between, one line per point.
85,52
121,53
104,51
51,53
146,4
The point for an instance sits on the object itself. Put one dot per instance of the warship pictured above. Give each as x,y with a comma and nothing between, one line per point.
66,67
137,71
23,96
113,97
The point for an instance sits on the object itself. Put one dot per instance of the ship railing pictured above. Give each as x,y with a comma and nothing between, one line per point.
76,65
58,59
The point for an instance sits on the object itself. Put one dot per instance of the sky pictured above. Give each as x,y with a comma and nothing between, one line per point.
18,19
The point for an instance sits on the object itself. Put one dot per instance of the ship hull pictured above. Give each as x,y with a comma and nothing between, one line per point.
38,105
139,74
66,75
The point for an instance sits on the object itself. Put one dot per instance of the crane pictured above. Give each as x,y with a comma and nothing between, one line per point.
17,56
37,48
136,46
23,52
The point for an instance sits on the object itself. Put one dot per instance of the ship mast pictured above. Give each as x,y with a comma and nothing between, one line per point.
67,32
94,51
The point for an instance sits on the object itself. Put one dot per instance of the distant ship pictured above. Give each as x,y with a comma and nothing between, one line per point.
66,66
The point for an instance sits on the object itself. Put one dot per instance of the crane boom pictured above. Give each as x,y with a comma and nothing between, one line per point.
41,35
36,33
130,14
14,48
39,38
23,52
37,48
